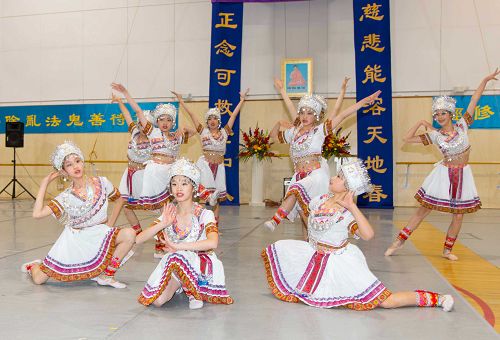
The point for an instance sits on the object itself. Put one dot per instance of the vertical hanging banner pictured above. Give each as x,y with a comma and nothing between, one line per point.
372,43
225,74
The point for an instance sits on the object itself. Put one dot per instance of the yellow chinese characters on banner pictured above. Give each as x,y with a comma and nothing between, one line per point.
224,76
52,121
117,119
371,11
372,42
31,121
225,21
376,109
224,106
12,119
96,119
373,74
376,164
74,120
376,195
375,133
225,48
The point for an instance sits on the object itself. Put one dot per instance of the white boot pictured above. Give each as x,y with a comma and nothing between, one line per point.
26,267
195,304
447,303
214,198
270,224
104,280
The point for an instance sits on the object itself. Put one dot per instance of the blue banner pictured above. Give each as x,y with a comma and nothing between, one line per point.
225,74
372,44
486,114
77,118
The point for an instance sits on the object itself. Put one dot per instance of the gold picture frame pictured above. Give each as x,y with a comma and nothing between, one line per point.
297,76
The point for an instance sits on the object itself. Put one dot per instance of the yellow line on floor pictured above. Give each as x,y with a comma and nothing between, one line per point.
471,272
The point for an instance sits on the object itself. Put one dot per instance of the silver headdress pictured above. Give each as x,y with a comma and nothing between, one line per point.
164,109
62,151
186,168
315,102
444,103
212,112
356,176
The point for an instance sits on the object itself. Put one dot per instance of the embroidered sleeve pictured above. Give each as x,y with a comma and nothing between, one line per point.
286,136
131,127
328,127
229,131
425,139
111,190
114,195
281,137
148,128
185,137
207,218
467,117
199,128
353,228
57,209
211,228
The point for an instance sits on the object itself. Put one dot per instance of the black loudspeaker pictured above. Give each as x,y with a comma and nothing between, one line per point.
14,134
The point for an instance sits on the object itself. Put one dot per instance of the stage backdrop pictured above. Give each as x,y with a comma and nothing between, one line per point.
372,34
78,118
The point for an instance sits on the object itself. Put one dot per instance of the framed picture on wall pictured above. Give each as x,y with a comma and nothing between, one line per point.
297,76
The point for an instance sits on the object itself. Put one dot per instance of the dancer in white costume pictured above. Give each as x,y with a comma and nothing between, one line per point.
138,153
450,186
89,245
306,140
328,271
165,150
190,235
278,84
213,143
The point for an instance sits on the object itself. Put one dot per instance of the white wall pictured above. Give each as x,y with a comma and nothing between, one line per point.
70,50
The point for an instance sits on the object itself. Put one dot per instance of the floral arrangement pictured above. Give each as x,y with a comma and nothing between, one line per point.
336,145
256,143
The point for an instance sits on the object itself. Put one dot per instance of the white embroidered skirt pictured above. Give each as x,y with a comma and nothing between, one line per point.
297,272
80,254
449,190
201,276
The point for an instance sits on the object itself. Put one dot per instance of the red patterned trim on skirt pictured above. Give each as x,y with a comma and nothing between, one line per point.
88,275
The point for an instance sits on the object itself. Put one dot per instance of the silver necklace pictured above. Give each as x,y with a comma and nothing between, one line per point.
322,222
300,144
188,237
216,142
72,210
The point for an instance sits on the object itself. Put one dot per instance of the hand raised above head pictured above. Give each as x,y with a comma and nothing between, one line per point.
118,87
493,76
278,84
177,95
344,82
243,95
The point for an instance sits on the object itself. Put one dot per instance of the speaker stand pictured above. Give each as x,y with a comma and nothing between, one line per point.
13,181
